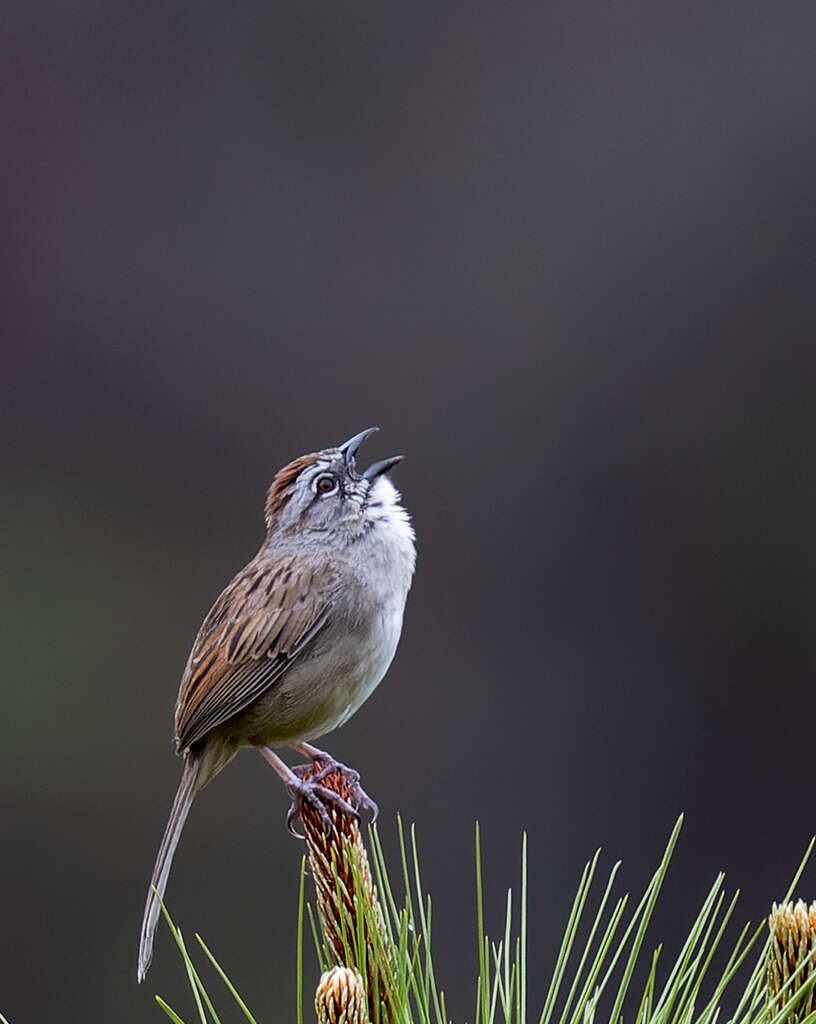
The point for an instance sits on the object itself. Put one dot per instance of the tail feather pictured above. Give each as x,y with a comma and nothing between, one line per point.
158,883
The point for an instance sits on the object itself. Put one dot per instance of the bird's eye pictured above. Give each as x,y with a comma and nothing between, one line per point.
325,484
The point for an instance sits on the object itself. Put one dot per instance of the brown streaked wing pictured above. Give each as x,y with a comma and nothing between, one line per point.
261,622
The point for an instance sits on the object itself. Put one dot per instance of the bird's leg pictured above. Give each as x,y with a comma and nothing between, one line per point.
325,765
305,790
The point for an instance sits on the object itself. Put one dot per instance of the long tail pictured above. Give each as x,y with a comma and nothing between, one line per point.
178,815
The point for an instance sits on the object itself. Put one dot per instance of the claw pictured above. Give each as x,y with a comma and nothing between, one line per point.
308,790
326,765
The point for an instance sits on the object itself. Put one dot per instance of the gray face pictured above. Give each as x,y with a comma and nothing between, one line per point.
326,495
324,499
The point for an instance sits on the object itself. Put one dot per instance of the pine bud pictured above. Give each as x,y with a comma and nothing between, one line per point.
793,942
340,997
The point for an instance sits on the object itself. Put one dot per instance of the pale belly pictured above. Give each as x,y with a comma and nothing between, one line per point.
320,691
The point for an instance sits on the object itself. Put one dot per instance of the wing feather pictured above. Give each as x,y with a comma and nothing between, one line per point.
262,621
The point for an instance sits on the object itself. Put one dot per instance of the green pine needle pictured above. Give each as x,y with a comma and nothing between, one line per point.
592,956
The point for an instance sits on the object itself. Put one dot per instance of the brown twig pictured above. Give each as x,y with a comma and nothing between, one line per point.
348,905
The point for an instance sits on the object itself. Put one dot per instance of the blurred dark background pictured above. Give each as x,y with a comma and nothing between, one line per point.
563,254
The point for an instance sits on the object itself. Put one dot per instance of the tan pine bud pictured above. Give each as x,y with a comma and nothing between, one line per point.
793,943
340,997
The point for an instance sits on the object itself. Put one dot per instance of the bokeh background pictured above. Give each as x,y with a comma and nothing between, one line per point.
563,254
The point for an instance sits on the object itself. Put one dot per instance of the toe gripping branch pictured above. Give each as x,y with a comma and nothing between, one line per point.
323,793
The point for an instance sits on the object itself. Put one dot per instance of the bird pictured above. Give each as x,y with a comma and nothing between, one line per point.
297,641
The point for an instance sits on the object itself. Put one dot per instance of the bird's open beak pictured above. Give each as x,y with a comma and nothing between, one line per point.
349,450
378,468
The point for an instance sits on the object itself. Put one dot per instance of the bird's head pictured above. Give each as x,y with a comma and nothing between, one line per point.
323,495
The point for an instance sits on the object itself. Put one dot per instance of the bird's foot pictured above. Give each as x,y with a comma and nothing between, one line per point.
323,765
305,789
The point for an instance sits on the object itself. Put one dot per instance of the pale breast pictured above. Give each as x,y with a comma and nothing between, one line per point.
346,660
323,688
